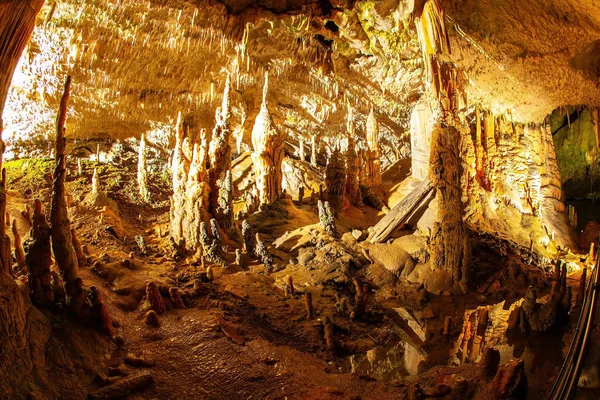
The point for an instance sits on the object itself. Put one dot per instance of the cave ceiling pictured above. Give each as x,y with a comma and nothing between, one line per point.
136,64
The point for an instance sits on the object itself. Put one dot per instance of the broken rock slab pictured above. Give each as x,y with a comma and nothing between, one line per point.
412,322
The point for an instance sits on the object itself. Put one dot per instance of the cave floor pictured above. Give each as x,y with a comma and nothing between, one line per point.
242,337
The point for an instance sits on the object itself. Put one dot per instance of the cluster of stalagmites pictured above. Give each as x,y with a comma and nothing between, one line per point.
541,317
54,242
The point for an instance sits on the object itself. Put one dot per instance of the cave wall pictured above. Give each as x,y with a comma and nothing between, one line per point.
520,196
24,331
577,150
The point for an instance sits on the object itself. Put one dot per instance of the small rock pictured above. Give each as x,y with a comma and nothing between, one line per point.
357,234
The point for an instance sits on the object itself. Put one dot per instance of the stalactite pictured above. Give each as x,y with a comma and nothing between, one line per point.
373,153
19,252
62,243
434,40
268,153
335,179
220,163
352,164
450,248
38,257
142,173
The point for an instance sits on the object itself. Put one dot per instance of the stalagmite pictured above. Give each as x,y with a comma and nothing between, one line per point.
99,312
154,298
95,183
219,154
19,252
309,305
211,245
327,218
62,243
301,152
263,254
81,258
176,297
239,258
249,238
38,257
335,180
196,195
450,248
142,173
373,153
313,153
301,194
151,319
328,333
352,164
179,169
268,153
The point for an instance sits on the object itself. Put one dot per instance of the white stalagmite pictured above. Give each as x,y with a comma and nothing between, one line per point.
301,153
268,145
142,173
95,183
373,161
313,155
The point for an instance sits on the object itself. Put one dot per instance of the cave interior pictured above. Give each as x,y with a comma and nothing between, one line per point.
300,199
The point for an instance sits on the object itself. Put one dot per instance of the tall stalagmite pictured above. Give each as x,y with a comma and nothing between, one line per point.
335,179
180,166
220,163
38,257
196,196
449,247
268,153
62,244
352,163
373,153
142,173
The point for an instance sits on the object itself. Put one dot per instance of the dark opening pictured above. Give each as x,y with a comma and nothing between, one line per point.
325,42
332,26
325,7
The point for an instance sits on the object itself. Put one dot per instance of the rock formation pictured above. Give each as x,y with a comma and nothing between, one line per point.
142,173
62,242
373,162
268,153
335,179
219,155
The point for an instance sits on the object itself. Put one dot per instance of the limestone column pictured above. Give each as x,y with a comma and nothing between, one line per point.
268,145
